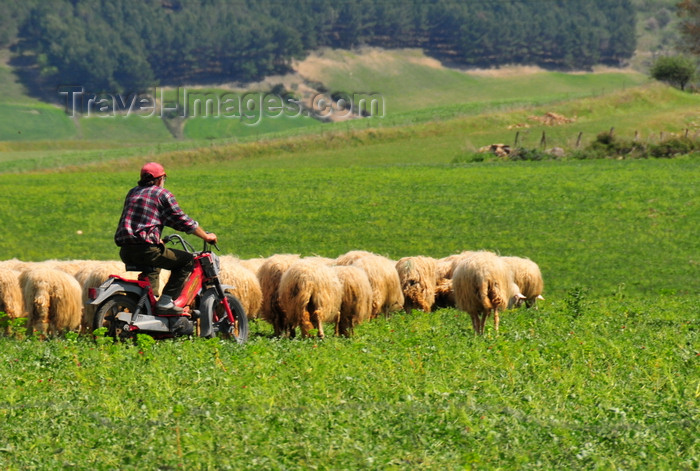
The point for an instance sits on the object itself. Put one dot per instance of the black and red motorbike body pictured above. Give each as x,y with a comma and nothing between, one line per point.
126,307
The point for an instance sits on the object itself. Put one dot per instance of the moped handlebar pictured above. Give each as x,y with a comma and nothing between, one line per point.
178,238
207,245
186,245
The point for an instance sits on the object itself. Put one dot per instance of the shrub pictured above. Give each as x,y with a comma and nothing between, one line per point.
522,153
673,147
607,144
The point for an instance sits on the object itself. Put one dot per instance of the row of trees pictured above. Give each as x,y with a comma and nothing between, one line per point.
128,45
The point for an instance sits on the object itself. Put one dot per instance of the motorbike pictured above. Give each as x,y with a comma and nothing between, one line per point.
126,307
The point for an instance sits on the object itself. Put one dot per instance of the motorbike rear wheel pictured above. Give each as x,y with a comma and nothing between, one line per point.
237,331
105,316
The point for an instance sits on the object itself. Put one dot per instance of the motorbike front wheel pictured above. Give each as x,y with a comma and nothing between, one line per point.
212,308
105,316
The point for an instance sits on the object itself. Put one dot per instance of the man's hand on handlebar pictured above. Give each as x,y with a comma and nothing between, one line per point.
210,238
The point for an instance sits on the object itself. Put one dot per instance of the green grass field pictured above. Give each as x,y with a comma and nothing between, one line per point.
605,375
612,385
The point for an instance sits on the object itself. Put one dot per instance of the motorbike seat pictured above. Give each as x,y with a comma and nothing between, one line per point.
140,268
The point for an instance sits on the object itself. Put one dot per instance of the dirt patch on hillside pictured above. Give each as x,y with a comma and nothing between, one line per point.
505,72
548,119
552,119
315,66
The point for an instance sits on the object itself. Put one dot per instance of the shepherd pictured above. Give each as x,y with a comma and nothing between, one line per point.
149,207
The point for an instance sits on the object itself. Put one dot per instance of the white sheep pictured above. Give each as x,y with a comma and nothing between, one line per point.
418,277
253,264
52,300
356,302
483,284
16,264
310,294
528,277
269,274
444,294
246,286
11,302
387,296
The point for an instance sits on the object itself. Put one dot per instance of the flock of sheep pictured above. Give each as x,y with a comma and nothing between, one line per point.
291,291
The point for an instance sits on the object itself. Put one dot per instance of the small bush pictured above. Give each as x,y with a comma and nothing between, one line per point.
588,154
606,139
522,153
673,147
608,145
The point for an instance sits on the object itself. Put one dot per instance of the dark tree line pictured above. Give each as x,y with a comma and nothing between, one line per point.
129,45
689,11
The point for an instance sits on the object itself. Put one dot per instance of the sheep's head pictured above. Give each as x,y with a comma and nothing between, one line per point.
414,295
516,299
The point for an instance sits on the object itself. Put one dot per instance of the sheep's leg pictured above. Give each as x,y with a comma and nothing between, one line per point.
495,319
278,319
475,323
482,322
318,323
343,325
39,318
306,324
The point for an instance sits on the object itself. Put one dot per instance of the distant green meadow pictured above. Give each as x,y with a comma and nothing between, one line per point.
598,224
409,87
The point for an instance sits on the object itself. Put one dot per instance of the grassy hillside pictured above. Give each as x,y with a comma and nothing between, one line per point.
410,81
407,81
421,136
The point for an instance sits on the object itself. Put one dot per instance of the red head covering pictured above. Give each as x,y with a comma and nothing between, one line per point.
152,170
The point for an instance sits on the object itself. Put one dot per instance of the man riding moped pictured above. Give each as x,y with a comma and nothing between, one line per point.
149,207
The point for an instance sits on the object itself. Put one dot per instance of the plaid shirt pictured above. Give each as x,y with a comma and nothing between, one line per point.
146,210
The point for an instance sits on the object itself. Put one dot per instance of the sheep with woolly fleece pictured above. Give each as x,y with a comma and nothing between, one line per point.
483,284
310,295
356,299
324,260
16,265
269,274
246,286
418,276
387,296
11,302
528,277
52,300
444,294
70,266
253,264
